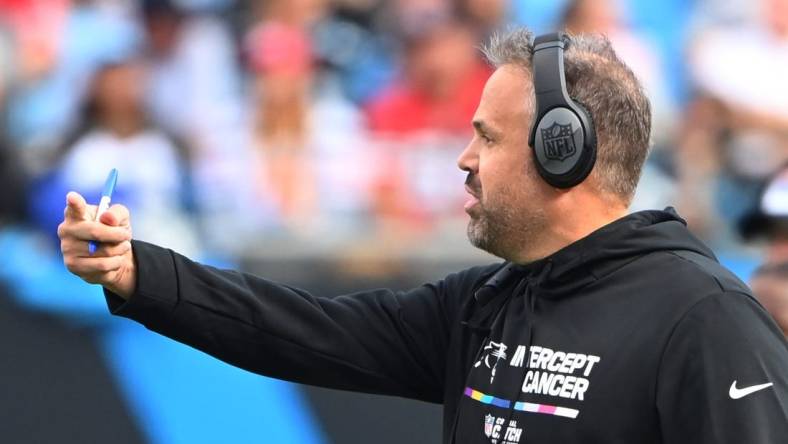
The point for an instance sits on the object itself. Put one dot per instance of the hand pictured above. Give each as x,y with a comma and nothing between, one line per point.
112,265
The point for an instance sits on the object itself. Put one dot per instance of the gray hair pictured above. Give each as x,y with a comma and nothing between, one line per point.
600,81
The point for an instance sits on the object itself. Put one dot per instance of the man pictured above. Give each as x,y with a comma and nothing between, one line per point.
599,327
770,221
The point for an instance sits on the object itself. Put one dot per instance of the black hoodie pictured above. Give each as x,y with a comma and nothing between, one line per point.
634,334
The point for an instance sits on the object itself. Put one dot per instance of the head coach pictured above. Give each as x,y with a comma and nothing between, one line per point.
599,326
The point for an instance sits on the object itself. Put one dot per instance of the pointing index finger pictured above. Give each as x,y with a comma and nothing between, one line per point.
76,207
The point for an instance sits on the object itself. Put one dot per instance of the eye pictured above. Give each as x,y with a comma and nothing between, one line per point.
486,138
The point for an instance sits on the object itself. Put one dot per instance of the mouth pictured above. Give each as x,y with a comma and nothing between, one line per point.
473,198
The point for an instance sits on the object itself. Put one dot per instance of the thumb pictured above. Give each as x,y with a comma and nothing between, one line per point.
115,216
76,207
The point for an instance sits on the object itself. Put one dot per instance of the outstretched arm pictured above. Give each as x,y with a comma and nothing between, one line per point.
377,341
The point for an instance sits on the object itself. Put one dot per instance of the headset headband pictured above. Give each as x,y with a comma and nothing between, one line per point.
548,72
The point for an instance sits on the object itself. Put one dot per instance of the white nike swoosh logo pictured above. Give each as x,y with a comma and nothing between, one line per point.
736,393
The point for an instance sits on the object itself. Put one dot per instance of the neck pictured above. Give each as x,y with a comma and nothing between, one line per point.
574,225
123,125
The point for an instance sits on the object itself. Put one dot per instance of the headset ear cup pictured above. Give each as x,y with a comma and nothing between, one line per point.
589,142
590,134
564,148
563,136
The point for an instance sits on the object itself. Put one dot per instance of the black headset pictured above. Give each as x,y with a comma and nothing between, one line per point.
562,136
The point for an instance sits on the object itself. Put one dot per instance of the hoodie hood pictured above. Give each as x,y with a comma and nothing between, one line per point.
608,249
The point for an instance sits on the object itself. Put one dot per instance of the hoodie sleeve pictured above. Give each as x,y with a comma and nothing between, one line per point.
376,341
724,375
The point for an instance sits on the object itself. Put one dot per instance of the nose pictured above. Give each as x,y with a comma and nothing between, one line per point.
469,158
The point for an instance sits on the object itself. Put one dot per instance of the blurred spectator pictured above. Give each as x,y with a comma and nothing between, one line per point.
34,24
306,137
193,69
769,221
487,16
116,132
353,43
56,53
441,82
736,130
422,118
282,60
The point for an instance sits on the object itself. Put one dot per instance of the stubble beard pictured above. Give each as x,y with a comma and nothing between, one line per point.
503,228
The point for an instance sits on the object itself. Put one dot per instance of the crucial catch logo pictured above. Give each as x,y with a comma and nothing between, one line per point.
498,434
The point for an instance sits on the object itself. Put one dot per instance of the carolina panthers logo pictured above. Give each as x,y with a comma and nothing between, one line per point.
491,354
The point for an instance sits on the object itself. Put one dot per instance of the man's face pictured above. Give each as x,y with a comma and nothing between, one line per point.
508,197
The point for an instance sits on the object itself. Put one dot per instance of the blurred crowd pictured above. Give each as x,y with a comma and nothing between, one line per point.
336,123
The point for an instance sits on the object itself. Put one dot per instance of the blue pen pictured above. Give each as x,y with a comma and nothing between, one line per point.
106,197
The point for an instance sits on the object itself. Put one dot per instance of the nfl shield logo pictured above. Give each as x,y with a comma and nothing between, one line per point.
489,420
558,141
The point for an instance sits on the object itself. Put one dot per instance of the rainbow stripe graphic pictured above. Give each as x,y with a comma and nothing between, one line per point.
522,406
